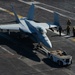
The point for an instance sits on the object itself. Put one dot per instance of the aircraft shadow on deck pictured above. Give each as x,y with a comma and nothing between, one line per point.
23,47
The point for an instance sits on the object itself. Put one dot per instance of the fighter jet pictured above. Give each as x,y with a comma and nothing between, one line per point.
35,30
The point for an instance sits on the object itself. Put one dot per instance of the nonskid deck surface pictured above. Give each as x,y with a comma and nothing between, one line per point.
17,56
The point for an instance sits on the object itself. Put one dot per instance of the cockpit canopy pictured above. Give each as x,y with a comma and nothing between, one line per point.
41,30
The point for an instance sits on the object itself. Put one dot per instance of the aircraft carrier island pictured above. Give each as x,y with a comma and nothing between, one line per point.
19,54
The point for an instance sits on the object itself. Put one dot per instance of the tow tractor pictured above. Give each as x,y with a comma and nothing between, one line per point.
58,56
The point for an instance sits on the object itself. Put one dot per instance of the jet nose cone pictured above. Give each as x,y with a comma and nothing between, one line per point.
49,45
46,41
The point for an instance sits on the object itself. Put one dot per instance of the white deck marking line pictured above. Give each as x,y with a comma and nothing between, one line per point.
6,50
57,8
58,33
51,11
36,2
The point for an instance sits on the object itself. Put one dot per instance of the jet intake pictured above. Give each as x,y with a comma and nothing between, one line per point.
42,31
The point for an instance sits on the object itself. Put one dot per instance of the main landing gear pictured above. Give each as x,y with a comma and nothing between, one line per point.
36,47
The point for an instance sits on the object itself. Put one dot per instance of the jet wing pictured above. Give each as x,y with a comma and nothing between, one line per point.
18,27
52,25
43,25
10,27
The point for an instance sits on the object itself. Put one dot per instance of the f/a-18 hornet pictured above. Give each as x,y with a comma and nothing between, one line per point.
35,30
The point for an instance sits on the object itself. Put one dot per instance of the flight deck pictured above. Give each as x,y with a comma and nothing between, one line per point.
17,56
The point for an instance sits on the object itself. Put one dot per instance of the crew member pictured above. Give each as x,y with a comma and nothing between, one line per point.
68,29
60,30
69,22
73,30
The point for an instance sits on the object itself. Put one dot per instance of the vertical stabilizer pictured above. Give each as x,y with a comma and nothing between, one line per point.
56,19
17,19
30,15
